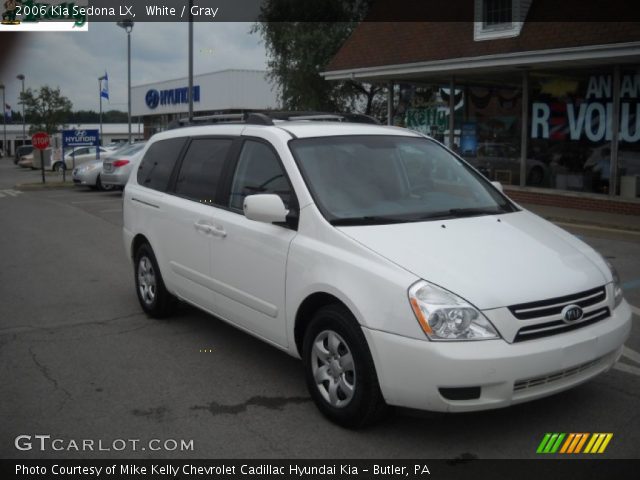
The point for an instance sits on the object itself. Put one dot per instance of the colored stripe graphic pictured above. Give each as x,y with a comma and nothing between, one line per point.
550,443
598,442
573,443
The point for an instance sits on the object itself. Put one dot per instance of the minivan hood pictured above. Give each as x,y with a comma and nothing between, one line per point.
490,261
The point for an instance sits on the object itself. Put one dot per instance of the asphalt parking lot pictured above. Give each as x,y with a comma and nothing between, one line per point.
79,360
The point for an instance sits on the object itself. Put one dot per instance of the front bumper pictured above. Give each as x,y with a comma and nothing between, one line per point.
88,179
411,372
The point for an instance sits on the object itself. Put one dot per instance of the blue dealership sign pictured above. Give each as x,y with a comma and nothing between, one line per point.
80,138
171,96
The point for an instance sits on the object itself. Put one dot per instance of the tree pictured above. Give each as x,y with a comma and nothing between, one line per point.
47,109
299,50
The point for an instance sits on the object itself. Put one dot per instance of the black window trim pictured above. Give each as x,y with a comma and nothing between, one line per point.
294,205
173,169
173,178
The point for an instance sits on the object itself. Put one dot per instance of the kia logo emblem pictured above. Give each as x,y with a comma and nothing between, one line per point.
571,313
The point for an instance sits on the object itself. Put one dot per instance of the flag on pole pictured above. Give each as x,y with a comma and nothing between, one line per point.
104,91
7,111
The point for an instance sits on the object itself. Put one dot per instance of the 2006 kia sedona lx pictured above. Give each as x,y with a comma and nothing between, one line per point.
398,273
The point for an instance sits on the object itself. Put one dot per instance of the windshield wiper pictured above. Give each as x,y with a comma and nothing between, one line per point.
366,220
464,212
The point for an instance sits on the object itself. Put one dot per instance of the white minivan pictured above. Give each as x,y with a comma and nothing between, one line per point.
398,273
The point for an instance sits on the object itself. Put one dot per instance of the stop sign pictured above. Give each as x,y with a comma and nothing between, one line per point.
40,140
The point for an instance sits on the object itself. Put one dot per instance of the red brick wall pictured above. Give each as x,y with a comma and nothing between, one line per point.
570,201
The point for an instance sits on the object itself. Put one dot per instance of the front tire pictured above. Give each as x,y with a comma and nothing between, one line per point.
154,298
58,167
339,370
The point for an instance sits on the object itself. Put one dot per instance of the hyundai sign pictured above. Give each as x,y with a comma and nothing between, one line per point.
80,138
171,96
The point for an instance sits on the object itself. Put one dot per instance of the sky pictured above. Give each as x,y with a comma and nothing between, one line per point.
159,51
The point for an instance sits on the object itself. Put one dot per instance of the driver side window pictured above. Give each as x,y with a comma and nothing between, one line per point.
258,171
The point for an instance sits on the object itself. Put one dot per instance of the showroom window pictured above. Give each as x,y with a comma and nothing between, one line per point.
571,128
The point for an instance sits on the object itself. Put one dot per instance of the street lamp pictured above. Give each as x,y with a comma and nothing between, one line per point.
128,26
24,119
4,123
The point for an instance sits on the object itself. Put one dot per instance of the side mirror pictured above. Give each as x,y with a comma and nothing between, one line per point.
498,185
265,207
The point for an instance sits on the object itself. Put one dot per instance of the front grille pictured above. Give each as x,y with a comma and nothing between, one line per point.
549,314
553,306
552,328
554,377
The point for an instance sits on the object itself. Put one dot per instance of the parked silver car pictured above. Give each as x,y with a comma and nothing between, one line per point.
88,175
117,168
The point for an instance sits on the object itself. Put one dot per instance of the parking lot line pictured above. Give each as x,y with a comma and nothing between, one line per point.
635,310
631,354
594,227
623,367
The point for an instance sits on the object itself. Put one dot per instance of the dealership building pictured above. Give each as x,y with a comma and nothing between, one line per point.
226,91
550,109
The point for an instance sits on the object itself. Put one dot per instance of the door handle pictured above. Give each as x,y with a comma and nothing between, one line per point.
203,227
218,231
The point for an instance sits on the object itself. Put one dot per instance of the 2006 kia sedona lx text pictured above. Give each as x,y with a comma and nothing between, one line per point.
398,273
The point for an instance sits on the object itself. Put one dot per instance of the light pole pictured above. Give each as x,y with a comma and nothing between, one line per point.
4,123
24,120
190,62
128,26
100,79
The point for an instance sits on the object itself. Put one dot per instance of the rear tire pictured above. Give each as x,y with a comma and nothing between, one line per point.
101,187
154,298
58,167
339,370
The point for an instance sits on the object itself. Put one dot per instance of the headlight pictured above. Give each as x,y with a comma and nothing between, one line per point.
444,316
617,288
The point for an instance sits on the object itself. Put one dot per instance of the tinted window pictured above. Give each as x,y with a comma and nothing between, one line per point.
258,171
157,164
201,169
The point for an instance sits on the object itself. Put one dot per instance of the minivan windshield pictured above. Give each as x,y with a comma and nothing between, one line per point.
380,179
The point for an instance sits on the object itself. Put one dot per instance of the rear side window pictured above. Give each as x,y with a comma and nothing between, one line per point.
201,169
258,171
157,164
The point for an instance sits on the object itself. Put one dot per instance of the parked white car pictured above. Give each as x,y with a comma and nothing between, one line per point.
397,272
74,158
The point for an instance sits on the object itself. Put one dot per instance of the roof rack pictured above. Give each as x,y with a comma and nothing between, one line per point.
268,117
